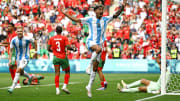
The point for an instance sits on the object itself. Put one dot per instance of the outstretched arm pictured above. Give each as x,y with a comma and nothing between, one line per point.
120,10
70,17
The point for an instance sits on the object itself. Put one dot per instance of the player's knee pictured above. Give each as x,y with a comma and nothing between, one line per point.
98,50
143,80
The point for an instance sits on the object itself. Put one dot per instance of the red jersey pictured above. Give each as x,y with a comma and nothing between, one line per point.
58,44
10,37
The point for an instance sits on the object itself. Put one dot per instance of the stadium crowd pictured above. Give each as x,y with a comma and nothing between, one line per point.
136,34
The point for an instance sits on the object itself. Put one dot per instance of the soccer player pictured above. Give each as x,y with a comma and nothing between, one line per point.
58,44
12,66
21,44
97,27
34,79
150,86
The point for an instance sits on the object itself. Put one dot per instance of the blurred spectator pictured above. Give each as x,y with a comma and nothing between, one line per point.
173,52
116,52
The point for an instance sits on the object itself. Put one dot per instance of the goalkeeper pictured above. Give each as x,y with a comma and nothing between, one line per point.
150,86
34,79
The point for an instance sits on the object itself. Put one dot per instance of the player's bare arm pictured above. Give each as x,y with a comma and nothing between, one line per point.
70,17
49,48
120,10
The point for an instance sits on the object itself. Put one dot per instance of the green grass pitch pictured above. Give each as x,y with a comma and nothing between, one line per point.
46,90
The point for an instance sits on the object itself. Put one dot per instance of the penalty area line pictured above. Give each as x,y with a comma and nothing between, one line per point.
149,97
41,85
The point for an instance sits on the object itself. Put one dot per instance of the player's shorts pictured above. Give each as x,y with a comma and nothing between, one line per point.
152,87
64,63
13,57
22,63
89,44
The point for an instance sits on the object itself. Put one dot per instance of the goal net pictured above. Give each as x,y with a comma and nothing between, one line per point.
173,85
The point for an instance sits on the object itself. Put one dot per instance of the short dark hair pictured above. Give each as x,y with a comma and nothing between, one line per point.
58,29
24,82
10,23
97,6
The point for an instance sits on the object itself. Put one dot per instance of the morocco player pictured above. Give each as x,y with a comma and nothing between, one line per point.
12,65
57,44
34,79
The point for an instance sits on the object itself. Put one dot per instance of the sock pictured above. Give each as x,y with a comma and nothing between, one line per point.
57,81
132,90
15,80
26,74
99,57
12,73
57,89
66,79
134,84
93,57
64,86
102,83
91,80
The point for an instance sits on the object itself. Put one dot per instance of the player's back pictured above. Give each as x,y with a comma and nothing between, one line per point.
58,43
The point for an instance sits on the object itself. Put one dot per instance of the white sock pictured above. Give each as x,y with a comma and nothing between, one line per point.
91,80
64,86
136,83
57,89
17,75
26,74
132,90
93,57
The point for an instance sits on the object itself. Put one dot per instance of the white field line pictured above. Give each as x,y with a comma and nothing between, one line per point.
41,85
147,98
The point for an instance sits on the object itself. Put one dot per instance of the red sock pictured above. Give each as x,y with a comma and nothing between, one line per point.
102,83
66,78
57,81
12,73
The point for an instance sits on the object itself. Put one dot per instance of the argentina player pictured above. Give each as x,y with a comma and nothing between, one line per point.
21,45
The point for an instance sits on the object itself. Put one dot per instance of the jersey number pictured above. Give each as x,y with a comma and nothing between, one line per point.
58,46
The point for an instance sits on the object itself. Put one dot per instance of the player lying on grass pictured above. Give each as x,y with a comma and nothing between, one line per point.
34,79
150,86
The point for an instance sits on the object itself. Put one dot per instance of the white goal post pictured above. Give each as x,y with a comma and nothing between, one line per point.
164,89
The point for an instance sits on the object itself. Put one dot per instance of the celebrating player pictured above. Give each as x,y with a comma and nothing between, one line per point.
97,27
34,79
150,86
21,44
12,65
58,44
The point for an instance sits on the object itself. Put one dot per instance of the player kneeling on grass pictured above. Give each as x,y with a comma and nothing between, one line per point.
34,79
58,45
150,86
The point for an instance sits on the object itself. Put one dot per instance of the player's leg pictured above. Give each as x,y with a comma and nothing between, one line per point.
57,74
88,69
101,76
136,83
56,79
66,68
20,70
131,90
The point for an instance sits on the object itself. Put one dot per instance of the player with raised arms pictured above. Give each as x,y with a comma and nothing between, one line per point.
58,44
21,44
97,27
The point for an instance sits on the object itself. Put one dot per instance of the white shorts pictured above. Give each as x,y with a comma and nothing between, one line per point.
89,44
152,87
22,63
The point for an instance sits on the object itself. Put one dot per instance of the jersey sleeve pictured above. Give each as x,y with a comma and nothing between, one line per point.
66,41
11,44
108,18
85,20
50,42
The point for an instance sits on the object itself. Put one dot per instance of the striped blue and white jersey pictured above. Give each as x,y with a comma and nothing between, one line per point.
97,28
21,46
